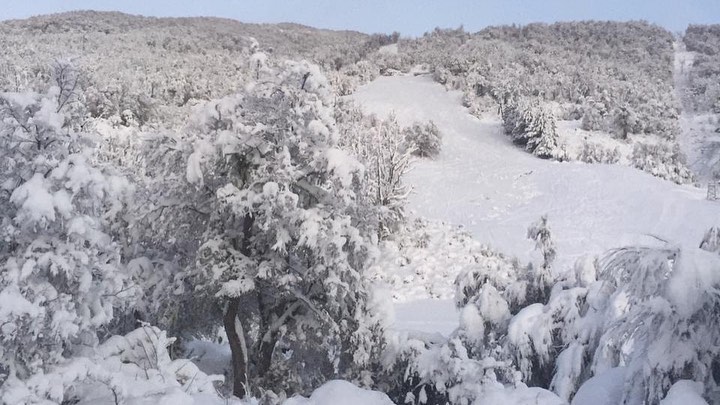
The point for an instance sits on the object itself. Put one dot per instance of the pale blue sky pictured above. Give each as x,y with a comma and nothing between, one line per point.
410,17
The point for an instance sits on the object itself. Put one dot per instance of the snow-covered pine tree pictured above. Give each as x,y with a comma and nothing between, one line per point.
531,126
62,276
539,232
542,138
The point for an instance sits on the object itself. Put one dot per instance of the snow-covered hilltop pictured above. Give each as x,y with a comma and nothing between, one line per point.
201,211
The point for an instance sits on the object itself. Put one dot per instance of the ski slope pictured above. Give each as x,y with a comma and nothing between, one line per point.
495,190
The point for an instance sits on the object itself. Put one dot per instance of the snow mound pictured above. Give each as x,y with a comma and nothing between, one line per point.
603,389
685,392
341,392
520,396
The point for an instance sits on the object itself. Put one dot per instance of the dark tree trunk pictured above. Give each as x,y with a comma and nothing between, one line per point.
236,334
238,348
267,339
265,353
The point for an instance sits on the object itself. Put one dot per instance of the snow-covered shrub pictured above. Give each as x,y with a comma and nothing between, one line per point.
663,160
417,261
62,275
596,114
539,232
449,372
596,153
360,73
507,334
711,240
425,140
650,311
135,368
441,75
381,148
625,122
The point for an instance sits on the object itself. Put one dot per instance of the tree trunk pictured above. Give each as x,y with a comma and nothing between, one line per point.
234,328
267,339
238,348
265,354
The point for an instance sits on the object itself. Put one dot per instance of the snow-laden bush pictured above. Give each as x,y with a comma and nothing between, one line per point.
385,155
596,153
596,114
448,372
663,160
645,310
655,315
417,261
504,338
131,369
711,240
62,275
649,311
425,140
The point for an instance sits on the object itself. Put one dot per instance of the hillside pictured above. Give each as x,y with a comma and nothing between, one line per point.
148,69
203,211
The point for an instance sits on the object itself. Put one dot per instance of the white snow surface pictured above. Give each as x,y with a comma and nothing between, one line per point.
341,392
427,316
605,388
685,392
495,190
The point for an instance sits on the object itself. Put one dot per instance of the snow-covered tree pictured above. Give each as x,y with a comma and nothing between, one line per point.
283,248
625,121
382,149
539,232
63,278
597,153
531,126
123,369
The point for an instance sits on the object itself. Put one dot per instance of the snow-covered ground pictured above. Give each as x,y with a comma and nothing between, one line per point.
483,183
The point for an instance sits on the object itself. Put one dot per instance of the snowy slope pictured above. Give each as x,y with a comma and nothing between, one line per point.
495,190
